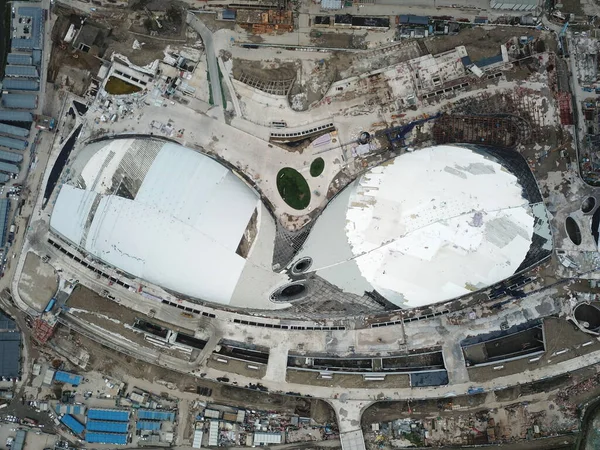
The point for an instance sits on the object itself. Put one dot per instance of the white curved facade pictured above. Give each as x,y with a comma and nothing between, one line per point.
425,227
172,217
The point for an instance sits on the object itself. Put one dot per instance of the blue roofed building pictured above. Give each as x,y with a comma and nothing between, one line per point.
19,101
106,438
4,210
37,24
9,168
409,19
20,84
12,70
107,426
488,62
15,116
19,58
10,157
72,423
15,131
10,345
21,44
149,414
150,425
116,415
4,178
69,378
6,323
15,144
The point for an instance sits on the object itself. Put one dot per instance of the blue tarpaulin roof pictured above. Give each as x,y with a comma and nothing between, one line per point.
117,415
152,425
20,84
15,116
149,414
19,58
107,426
11,129
229,14
16,144
106,438
66,377
19,101
74,425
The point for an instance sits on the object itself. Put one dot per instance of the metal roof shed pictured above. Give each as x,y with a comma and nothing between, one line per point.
149,414
198,434
152,425
4,178
15,116
20,84
21,44
19,101
15,131
37,25
10,351
66,377
19,441
107,426
10,168
10,157
267,438
72,423
19,58
6,323
117,415
106,438
21,71
16,144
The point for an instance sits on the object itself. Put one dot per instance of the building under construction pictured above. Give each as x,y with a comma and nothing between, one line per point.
269,21
499,130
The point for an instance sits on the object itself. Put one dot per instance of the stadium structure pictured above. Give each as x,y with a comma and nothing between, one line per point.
422,228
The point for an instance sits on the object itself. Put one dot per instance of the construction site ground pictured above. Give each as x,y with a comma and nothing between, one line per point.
127,369
480,42
38,282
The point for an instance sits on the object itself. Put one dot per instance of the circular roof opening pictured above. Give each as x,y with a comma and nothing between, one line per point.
573,230
588,316
302,265
588,205
290,292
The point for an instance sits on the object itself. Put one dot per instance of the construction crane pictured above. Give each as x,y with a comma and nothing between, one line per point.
564,30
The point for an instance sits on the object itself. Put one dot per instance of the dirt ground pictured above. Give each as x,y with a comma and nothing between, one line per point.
348,381
479,42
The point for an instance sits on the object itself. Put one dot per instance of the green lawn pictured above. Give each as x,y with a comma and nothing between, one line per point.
293,188
316,167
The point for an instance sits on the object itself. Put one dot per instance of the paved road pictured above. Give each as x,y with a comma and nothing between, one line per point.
211,58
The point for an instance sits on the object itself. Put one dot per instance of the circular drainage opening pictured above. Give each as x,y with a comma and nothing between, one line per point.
588,204
302,265
573,230
290,292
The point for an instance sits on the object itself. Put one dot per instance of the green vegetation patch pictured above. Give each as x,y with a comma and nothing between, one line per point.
116,86
316,167
293,188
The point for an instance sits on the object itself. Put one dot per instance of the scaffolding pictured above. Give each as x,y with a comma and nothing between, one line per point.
498,130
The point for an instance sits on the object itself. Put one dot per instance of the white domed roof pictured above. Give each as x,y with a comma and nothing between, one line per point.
172,217
425,227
